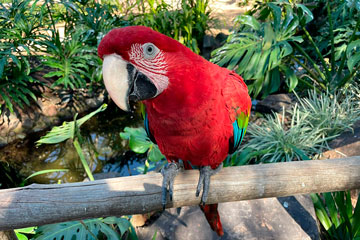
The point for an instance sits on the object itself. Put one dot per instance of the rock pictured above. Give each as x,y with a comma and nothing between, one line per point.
208,41
47,112
345,145
274,103
269,218
210,44
220,39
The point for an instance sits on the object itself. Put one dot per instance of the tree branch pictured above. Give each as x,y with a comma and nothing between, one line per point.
38,204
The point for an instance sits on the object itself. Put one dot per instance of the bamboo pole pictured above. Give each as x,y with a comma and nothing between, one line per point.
38,204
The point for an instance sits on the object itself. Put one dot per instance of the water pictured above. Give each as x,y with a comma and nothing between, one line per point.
103,148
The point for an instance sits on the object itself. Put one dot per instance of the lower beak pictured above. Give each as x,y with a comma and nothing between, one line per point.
124,82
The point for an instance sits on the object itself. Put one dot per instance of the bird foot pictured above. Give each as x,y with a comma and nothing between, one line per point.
205,173
169,172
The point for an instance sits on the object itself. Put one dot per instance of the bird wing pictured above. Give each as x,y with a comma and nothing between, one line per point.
238,104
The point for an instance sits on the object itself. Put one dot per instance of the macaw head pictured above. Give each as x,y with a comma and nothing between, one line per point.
137,63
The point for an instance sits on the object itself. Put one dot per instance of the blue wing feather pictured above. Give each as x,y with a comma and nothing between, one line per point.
239,128
147,128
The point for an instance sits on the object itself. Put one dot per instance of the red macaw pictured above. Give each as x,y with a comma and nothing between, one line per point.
196,111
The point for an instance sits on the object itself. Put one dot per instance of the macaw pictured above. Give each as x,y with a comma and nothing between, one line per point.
196,111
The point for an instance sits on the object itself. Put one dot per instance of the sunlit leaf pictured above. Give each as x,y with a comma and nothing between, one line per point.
65,131
307,15
248,20
154,154
75,230
45,172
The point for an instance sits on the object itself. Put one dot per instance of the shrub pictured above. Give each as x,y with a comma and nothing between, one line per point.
260,51
274,141
330,56
337,215
314,120
271,43
69,60
20,38
331,114
187,24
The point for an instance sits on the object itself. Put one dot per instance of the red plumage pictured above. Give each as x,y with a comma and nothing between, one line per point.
192,119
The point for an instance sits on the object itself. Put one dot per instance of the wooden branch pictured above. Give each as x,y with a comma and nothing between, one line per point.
37,204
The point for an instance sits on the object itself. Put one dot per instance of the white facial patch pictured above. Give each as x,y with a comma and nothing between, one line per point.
154,66
116,79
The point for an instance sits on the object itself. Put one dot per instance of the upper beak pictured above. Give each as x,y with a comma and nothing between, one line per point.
125,82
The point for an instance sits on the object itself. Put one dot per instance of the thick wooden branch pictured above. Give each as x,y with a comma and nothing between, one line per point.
37,204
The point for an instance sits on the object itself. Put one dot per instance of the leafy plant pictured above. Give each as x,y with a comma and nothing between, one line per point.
20,34
42,172
274,141
186,23
15,85
69,59
337,215
139,142
332,60
23,233
70,130
94,19
331,114
87,229
315,119
260,51
328,61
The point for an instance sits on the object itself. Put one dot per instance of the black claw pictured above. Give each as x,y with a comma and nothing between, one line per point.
163,207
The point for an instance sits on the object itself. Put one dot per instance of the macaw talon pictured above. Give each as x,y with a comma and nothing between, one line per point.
204,179
169,172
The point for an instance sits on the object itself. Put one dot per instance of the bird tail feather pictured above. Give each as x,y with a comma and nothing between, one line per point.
213,217
210,211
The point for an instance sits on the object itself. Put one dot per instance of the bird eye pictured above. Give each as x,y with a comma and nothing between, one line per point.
150,50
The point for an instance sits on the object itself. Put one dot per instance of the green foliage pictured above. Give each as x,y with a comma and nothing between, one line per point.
276,43
20,37
69,60
30,39
139,142
187,23
70,130
273,141
331,114
43,172
337,215
67,130
331,59
91,18
23,233
260,51
87,229
314,120
74,60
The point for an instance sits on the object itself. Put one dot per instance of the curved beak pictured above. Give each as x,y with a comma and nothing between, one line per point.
125,82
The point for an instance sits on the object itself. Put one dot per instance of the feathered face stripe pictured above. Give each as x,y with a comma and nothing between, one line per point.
154,67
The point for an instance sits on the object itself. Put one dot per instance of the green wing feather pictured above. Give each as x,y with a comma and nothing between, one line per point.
240,126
